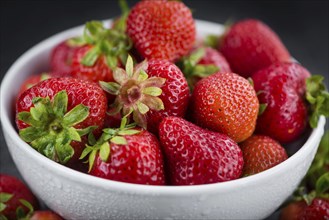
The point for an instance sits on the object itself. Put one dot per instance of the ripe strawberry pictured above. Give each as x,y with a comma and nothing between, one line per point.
161,29
250,45
52,115
261,153
164,94
317,210
12,191
99,71
226,103
45,215
293,211
126,154
202,62
101,50
32,80
61,57
198,156
282,88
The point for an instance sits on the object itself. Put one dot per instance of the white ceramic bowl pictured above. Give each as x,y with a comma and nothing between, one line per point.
75,195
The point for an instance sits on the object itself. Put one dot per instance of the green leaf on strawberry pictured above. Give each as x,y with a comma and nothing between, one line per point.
20,213
109,135
111,43
135,92
322,185
318,97
191,69
51,127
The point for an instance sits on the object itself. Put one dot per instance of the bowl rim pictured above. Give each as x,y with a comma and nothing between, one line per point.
87,179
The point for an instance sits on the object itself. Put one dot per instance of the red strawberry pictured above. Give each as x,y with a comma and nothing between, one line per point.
202,62
103,50
282,88
250,45
293,211
99,71
317,210
161,29
128,155
198,156
152,91
52,115
45,215
32,80
61,57
226,103
261,153
12,190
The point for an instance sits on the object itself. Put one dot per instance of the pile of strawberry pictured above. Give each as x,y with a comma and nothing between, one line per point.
146,102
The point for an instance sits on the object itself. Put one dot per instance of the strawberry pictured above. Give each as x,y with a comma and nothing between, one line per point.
250,45
161,29
282,88
226,103
61,57
152,91
32,80
45,215
100,51
202,62
317,210
261,153
293,211
198,156
12,193
52,115
126,154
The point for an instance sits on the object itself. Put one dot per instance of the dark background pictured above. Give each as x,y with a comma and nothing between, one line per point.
302,26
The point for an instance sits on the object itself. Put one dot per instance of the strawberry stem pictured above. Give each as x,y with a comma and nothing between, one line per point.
135,92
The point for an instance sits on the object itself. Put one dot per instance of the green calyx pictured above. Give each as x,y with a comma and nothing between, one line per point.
135,92
109,135
316,182
318,97
121,23
192,70
20,213
51,129
110,43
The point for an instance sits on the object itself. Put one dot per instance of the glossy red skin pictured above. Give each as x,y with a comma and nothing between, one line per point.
261,153
161,29
100,71
226,103
318,210
197,156
214,57
283,88
79,92
293,211
61,58
175,92
12,185
45,215
140,161
251,45
31,81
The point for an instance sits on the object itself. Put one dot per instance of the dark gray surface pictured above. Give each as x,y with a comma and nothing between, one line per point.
302,26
